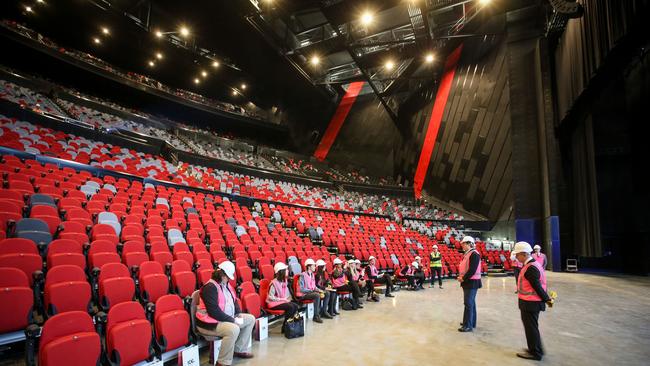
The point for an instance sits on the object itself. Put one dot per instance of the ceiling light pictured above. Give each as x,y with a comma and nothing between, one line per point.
97,40
315,60
243,86
106,31
197,80
429,58
366,18
184,31
159,34
28,9
40,1
159,55
215,63
234,92
152,64
204,73
484,2
389,65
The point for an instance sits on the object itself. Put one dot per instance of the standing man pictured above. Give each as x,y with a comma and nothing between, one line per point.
539,256
470,281
435,265
532,299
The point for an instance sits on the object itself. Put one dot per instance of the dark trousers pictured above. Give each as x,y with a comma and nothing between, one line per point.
531,327
290,309
438,271
516,271
329,302
351,287
469,313
315,297
419,278
384,279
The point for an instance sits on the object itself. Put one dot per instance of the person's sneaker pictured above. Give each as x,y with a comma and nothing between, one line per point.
317,319
528,356
431,286
243,354
326,315
464,330
390,295
441,287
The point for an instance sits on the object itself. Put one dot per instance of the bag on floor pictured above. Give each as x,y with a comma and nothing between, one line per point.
346,304
294,327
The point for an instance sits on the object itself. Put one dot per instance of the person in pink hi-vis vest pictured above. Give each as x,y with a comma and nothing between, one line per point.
539,256
279,297
532,299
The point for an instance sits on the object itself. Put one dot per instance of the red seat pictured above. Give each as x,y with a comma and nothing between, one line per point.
65,251
267,272
66,289
244,273
21,254
246,288
69,339
153,281
16,300
171,323
128,334
183,279
264,293
115,285
251,304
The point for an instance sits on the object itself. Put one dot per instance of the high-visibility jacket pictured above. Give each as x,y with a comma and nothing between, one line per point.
436,260
525,291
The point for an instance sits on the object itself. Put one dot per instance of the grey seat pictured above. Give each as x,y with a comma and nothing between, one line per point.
295,268
35,230
175,236
110,218
41,199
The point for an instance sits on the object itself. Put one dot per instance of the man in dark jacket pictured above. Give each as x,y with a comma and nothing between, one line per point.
531,291
470,280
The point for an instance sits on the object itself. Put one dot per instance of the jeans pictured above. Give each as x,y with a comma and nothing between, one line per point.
469,313
436,271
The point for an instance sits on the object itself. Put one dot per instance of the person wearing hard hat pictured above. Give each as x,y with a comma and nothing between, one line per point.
308,289
435,266
373,275
539,256
340,283
328,308
470,280
418,274
352,277
407,271
279,297
532,299
218,314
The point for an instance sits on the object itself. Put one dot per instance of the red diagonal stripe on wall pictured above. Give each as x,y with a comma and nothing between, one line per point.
337,120
435,120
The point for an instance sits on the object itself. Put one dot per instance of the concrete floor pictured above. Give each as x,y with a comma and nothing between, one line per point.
598,320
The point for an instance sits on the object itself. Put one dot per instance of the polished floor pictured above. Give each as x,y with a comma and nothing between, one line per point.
598,320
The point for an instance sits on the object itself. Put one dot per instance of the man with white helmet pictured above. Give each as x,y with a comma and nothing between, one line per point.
532,299
373,275
435,266
308,289
470,280
279,297
539,256
218,314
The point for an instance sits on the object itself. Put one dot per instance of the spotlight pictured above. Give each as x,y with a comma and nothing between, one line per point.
158,34
234,93
28,9
315,60
106,31
484,2
204,73
184,31
97,40
215,63
40,1
243,86
159,55
429,58
196,80
389,65
366,18
152,64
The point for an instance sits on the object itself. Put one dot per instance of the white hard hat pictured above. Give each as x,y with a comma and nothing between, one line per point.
320,262
468,239
228,268
415,264
357,261
309,261
522,247
537,247
279,267
418,257
337,261
435,247
371,258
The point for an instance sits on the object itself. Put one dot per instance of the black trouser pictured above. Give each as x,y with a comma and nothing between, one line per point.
329,302
350,287
438,271
533,338
419,278
315,297
384,279
516,271
290,309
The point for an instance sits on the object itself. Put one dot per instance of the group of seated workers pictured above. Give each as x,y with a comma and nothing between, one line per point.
414,274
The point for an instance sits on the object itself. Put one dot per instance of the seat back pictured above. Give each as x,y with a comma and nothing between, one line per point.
171,322
16,300
67,339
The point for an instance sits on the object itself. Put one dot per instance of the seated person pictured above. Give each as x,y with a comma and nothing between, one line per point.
418,274
373,275
328,308
279,297
218,314
339,282
309,290
353,276
407,271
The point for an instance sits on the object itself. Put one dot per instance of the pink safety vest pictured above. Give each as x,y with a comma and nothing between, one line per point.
540,258
355,277
373,271
310,281
281,291
202,313
338,282
410,271
464,266
525,290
